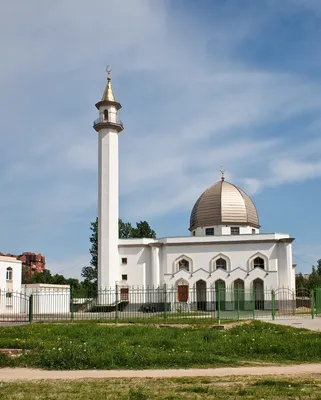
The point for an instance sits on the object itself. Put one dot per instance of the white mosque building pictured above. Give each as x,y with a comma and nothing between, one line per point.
225,248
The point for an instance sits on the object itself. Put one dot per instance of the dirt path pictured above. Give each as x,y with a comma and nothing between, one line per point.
9,374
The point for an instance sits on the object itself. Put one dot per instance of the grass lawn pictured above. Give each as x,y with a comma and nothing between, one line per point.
166,389
90,346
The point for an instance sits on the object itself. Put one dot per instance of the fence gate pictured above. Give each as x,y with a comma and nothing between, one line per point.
14,307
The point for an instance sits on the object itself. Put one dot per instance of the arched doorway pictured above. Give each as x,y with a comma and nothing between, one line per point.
201,295
220,290
258,290
239,296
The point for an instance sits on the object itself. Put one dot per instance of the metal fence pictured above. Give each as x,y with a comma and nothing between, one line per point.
182,304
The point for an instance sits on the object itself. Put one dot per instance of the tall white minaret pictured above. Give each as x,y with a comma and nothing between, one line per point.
108,126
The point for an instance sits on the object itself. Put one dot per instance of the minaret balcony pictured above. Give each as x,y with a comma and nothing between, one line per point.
104,123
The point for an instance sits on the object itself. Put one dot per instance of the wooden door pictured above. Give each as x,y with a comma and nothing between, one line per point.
182,293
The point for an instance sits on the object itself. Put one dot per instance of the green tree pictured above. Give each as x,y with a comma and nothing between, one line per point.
318,267
301,282
126,231
314,278
143,230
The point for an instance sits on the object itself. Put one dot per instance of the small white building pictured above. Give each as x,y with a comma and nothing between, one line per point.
47,298
10,284
225,248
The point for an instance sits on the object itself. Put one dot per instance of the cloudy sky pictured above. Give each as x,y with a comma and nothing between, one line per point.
202,83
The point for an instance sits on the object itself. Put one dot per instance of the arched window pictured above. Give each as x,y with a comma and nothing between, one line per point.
105,115
9,274
220,263
183,264
258,262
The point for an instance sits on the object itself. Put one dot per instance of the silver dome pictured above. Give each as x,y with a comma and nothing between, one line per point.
224,204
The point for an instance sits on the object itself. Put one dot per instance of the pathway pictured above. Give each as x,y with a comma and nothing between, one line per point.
14,374
307,323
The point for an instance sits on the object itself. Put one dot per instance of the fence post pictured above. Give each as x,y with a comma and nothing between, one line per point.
71,304
253,302
218,305
116,298
238,303
30,308
312,303
273,304
165,302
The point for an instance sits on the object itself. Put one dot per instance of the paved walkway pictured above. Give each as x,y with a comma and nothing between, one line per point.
15,374
307,323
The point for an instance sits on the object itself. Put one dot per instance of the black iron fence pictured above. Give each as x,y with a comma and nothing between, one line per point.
163,304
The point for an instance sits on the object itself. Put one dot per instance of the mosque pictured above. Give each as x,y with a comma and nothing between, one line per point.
225,248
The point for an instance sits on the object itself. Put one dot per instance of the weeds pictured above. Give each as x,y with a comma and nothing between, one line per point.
90,346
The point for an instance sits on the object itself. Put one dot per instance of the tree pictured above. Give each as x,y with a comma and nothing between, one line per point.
80,289
126,231
143,230
318,267
90,272
314,278
301,282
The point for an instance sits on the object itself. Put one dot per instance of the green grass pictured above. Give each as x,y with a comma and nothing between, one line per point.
227,388
199,319
89,346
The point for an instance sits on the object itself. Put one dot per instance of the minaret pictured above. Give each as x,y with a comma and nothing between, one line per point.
108,126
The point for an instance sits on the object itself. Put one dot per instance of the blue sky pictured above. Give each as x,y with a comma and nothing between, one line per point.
202,84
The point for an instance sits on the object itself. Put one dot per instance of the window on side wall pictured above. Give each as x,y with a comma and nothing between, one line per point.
124,260
124,277
9,274
235,230
209,231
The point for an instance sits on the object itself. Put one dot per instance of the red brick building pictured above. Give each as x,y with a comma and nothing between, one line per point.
35,263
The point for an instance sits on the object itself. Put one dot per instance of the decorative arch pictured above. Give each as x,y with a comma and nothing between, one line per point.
258,291
238,284
219,261
258,260
220,285
239,294
181,282
183,262
220,293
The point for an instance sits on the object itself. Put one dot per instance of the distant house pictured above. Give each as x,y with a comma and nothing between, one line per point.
34,263
10,281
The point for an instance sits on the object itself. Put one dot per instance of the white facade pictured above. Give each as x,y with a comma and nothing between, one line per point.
225,246
155,262
48,299
10,283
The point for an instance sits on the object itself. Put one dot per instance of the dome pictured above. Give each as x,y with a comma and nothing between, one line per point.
224,204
